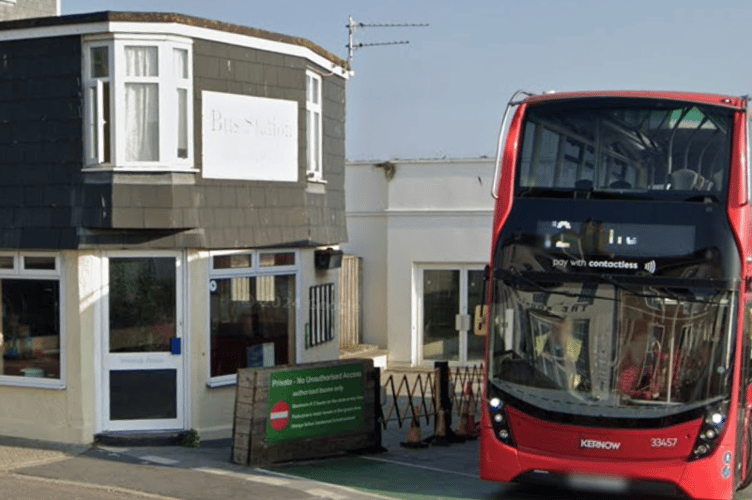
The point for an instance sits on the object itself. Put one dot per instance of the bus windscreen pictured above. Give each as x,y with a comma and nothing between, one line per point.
598,349
657,149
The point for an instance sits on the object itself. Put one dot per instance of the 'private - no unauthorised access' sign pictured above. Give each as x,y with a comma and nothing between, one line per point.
315,402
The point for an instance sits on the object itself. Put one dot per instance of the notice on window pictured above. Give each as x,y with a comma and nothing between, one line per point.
249,138
315,402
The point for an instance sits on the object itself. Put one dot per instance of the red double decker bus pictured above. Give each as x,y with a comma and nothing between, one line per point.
620,301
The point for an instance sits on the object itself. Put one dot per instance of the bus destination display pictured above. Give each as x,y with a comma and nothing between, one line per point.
626,240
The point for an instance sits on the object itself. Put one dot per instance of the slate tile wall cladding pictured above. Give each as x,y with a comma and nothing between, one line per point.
249,214
41,200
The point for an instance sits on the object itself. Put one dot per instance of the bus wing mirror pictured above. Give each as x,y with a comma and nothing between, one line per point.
480,317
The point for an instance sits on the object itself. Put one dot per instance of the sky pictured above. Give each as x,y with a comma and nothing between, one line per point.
443,94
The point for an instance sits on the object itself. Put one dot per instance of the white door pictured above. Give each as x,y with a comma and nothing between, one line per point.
142,345
447,296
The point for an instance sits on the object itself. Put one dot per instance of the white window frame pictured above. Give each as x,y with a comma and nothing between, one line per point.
169,83
18,272
314,136
94,119
322,302
254,271
463,309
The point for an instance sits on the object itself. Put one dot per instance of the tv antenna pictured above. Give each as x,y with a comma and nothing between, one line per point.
354,26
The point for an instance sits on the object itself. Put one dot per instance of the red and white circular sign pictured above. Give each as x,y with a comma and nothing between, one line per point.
280,415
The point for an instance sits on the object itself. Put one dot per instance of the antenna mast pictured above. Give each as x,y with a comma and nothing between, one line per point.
354,26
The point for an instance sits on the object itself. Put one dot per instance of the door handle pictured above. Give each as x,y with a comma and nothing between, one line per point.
462,322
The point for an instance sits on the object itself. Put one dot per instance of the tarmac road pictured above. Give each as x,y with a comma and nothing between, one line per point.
43,471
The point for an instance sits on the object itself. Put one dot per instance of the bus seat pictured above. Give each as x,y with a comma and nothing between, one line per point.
685,179
620,185
717,178
584,184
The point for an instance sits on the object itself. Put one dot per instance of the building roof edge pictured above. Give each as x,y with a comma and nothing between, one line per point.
162,17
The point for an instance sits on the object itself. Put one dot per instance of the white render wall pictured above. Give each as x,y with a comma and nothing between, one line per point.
429,212
20,9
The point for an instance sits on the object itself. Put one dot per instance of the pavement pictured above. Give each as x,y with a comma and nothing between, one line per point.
43,470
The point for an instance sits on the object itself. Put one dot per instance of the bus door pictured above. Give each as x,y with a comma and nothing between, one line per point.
744,437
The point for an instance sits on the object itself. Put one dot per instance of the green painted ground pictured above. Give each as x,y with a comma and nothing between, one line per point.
389,479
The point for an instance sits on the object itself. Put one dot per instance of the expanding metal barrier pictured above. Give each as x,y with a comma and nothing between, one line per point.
422,395
466,388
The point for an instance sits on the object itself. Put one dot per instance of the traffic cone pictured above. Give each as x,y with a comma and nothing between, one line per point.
461,431
414,439
440,432
471,429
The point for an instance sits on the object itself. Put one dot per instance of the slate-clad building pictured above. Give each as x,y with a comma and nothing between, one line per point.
170,188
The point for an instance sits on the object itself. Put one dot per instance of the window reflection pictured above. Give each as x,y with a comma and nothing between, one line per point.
639,148
30,337
142,304
252,320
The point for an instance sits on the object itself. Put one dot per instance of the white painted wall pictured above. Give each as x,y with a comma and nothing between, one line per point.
429,212
66,414
20,9
310,276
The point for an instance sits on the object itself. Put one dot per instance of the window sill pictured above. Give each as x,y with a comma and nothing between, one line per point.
100,175
315,180
31,382
316,186
140,170
224,381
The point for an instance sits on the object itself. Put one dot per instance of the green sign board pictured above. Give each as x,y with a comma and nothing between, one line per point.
315,402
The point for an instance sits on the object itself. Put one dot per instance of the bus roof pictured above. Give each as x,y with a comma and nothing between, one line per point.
696,97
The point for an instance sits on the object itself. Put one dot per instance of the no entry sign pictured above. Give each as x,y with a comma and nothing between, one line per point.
280,415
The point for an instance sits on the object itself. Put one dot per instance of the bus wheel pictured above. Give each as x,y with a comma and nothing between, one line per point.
747,455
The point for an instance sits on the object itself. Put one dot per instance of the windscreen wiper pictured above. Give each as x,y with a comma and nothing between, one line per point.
666,291
618,195
621,286
702,198
580,193
514,278
536,192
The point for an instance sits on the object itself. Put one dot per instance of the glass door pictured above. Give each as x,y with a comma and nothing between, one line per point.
476,344
142,344
447,297
441,305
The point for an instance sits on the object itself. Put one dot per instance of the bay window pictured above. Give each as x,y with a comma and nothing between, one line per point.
138,103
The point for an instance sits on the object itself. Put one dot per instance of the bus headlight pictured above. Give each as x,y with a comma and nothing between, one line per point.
711,430
497,411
